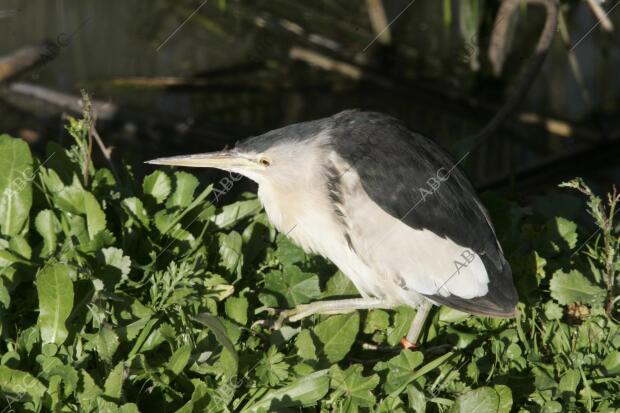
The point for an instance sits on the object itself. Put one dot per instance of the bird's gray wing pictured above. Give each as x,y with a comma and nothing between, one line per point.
414,181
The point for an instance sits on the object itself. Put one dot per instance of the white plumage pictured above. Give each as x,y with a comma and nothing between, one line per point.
386,205
385,258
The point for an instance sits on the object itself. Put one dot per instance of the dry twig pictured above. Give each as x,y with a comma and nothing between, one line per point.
533,66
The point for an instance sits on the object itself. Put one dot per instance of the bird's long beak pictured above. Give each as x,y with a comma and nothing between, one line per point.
226,160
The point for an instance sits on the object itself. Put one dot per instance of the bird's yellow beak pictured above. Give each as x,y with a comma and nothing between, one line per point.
225,160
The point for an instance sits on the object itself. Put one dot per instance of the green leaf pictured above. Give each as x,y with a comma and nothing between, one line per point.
481,400
135,208
87,390
337,334
128,408
114,266
272,369
179,359
16,177
199,399
450,315
157,185
103,182
19,245
28,338
233,213
114,257
47,225
553,311
305,346
105,406
417,399
428,367
569,381
353,385
237,309
505,398
543,379
68,198
185,185
402,322
5,295
107,343
303,391
6,258
377,320
95,217
20,382
611,363
567,231
164,221
287,252
568,288
113,386
231,253
552,407
339,285
69,377
55,291
294,285
401,369
218,329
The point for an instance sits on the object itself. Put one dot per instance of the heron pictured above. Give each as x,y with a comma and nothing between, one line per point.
388,206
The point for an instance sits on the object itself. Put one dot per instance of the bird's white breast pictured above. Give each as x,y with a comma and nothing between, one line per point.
383,256
304,213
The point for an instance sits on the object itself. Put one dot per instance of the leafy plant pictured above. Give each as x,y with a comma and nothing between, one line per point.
122,296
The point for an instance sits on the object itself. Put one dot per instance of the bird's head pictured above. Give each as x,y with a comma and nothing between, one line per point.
280,155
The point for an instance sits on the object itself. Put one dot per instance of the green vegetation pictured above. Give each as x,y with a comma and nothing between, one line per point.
117,296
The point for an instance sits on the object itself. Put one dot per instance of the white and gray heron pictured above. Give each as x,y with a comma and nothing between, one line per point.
386,205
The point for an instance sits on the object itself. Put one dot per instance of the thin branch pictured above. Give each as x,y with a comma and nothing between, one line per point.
88,151
93,134
326,63
106,151
600,14
572,58
25,59
70,103
531,71
379,21
344,68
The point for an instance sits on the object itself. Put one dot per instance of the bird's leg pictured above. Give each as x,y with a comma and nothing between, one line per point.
416,326
330,307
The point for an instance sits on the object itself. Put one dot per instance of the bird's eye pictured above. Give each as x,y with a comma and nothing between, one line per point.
264,161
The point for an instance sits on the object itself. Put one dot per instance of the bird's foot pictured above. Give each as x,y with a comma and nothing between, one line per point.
282,317
323,307
295,314
292,314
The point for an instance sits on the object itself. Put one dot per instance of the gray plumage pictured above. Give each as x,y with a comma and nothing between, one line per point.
387,205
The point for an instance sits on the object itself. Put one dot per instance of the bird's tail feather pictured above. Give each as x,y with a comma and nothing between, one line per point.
500,300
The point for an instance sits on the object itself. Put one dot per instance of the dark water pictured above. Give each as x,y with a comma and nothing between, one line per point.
240,79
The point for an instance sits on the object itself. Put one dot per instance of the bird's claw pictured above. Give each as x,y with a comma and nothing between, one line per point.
269,310
283,316
292,314
274,324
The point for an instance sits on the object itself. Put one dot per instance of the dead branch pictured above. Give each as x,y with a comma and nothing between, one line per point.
326,63
332,65
533,66
63,101
24,60
600,15
379,21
